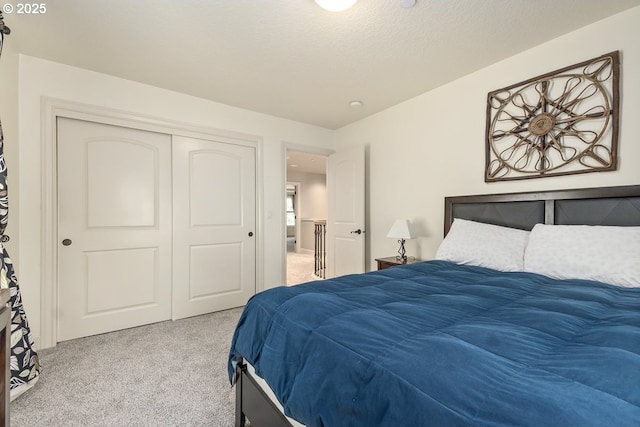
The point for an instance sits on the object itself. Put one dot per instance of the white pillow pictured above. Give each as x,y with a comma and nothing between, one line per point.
602,253
484,245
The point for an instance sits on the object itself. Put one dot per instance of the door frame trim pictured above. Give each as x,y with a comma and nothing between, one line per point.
50,110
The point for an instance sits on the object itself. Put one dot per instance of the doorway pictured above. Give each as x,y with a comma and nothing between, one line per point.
305,210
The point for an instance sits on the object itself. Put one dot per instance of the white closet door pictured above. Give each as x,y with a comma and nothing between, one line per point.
114,228
214,225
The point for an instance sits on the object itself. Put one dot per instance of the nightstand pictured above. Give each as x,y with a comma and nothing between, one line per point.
393,261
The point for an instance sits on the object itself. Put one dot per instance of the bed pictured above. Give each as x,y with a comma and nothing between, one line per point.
469,338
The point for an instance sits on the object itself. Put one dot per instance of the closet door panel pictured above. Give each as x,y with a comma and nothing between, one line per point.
114,228
214,208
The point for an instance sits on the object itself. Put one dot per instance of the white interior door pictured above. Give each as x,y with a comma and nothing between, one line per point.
114,228
345,225
214,217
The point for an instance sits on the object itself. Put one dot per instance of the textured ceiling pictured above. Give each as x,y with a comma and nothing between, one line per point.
291,59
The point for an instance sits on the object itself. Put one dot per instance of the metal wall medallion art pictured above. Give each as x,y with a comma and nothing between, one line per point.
560,123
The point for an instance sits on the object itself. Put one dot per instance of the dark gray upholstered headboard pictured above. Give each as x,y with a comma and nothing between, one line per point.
589,206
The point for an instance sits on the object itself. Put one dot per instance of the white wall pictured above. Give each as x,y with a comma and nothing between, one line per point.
433,146
9,117
39,78
313,194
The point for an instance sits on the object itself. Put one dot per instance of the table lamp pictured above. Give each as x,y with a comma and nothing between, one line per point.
400,230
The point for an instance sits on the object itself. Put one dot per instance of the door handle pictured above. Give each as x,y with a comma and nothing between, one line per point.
358,231
67,242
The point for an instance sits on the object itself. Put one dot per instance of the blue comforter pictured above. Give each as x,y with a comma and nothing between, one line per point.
440,344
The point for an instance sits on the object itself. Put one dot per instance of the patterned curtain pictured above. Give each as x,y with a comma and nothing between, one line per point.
24,359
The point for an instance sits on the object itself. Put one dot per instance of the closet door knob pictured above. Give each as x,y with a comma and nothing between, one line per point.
251,234
67,242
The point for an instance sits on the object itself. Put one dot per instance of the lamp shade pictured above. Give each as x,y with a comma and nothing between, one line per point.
400,230
336,5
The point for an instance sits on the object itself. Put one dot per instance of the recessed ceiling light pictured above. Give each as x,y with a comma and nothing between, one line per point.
336,5
408,3
356,104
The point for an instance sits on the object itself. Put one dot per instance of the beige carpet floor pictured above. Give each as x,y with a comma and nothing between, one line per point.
164,374
300,268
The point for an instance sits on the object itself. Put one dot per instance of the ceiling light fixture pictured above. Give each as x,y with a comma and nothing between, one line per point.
356,104
336,5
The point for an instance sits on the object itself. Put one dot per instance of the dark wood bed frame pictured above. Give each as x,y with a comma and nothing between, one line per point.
253,403
618,206
587,206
